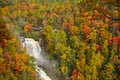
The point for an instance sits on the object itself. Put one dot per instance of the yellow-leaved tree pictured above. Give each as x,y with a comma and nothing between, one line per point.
15,64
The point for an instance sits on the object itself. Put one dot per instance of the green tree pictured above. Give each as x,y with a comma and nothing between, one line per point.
107,72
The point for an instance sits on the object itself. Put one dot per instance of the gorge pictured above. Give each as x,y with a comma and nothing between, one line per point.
41,61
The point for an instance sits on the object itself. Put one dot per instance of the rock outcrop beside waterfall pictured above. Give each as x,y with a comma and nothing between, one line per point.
49,68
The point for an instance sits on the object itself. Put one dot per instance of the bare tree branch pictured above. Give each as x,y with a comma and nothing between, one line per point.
100,10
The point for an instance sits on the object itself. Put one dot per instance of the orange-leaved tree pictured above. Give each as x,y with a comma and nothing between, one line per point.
15,64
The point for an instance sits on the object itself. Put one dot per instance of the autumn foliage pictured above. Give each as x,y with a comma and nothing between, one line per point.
82,36
14,63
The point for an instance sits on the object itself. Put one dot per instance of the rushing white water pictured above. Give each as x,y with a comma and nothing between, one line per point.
33,49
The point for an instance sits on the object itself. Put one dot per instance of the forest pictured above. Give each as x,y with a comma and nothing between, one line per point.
82,36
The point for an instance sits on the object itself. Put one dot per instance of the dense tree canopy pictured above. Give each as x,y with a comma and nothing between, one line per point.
83,36
15,64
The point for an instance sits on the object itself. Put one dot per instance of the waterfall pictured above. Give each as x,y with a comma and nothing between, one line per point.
34,50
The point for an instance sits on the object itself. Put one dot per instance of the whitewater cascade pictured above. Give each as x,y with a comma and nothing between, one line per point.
34,50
